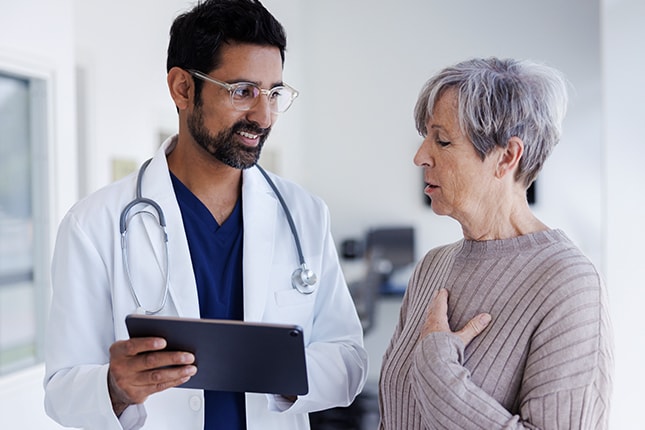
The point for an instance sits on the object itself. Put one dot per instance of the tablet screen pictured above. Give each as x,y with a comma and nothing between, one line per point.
233,355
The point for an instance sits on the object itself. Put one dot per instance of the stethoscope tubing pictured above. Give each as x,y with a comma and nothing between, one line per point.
123,218
287,213
303,279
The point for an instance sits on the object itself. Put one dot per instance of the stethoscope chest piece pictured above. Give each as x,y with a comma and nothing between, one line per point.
304,280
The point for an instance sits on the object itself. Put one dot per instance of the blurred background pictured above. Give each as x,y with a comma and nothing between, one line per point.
83,101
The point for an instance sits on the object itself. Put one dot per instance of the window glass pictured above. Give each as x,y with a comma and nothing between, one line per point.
18,327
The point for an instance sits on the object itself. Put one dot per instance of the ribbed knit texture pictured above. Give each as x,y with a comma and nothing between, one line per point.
544,361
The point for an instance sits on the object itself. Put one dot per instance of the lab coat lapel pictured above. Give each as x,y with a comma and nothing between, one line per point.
259,207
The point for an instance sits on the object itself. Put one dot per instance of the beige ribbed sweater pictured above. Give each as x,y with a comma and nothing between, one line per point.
544,362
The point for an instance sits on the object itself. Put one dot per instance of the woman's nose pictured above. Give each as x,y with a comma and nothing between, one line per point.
423,156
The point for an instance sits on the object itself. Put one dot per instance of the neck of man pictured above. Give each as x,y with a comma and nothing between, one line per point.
217,185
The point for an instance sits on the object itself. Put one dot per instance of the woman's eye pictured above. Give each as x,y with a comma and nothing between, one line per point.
442,143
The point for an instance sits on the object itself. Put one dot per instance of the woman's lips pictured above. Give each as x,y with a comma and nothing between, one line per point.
430,188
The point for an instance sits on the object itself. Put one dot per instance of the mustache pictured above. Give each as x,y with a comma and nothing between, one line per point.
250,127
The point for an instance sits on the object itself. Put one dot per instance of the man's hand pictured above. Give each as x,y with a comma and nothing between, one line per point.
437,320
139,368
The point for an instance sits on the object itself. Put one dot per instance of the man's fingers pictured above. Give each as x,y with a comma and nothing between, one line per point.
136,387
151,368
140,367
473,328
144,384
142,354
161,359
165,375
167,378
134,346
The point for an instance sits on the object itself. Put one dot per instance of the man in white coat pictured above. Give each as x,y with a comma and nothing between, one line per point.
230,251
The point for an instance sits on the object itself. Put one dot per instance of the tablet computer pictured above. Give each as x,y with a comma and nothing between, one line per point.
233,355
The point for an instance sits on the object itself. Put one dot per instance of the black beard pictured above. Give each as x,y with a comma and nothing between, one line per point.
225,146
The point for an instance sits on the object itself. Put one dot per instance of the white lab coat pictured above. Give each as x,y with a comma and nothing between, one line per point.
91,299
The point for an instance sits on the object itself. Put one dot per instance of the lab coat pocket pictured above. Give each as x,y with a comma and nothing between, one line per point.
293,307
293,298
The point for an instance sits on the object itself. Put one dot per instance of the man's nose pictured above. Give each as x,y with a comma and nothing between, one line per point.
261,113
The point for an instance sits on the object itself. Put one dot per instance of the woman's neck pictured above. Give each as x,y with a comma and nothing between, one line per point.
501,222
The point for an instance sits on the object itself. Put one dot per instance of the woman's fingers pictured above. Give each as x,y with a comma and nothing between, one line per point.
437,319
473,328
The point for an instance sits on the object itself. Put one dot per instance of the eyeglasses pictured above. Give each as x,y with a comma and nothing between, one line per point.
246,95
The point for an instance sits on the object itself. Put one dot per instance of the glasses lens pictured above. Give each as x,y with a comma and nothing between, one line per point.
245,96
281,98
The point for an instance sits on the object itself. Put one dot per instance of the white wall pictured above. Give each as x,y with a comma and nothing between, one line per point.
624,151
350,136
121,53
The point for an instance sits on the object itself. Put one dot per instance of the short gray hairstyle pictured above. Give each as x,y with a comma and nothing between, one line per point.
499,99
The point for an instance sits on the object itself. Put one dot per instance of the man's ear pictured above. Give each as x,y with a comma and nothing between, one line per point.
509,160
181,87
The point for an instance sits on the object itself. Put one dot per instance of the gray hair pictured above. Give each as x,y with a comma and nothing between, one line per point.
499,99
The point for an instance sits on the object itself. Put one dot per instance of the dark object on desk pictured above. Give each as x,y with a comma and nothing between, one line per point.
351,249
390,249
386,251
233,355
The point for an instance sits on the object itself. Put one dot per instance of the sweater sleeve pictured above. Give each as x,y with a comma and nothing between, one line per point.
446,395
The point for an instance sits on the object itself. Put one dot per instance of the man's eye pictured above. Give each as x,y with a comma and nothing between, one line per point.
244,92
276,93
442,143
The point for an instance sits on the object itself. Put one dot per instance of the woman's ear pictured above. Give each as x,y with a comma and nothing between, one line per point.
181,87
509,160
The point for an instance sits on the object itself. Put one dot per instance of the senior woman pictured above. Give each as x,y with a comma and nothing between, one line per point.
508,327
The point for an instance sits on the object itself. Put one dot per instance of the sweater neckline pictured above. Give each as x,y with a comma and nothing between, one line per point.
512,245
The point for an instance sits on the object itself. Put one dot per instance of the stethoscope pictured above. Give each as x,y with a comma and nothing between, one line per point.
303,279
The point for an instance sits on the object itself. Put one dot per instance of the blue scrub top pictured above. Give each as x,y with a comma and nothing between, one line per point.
216,254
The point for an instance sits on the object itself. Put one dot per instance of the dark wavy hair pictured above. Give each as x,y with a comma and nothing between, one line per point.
196,36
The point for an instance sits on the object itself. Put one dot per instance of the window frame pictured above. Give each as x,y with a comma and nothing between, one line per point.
40,83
